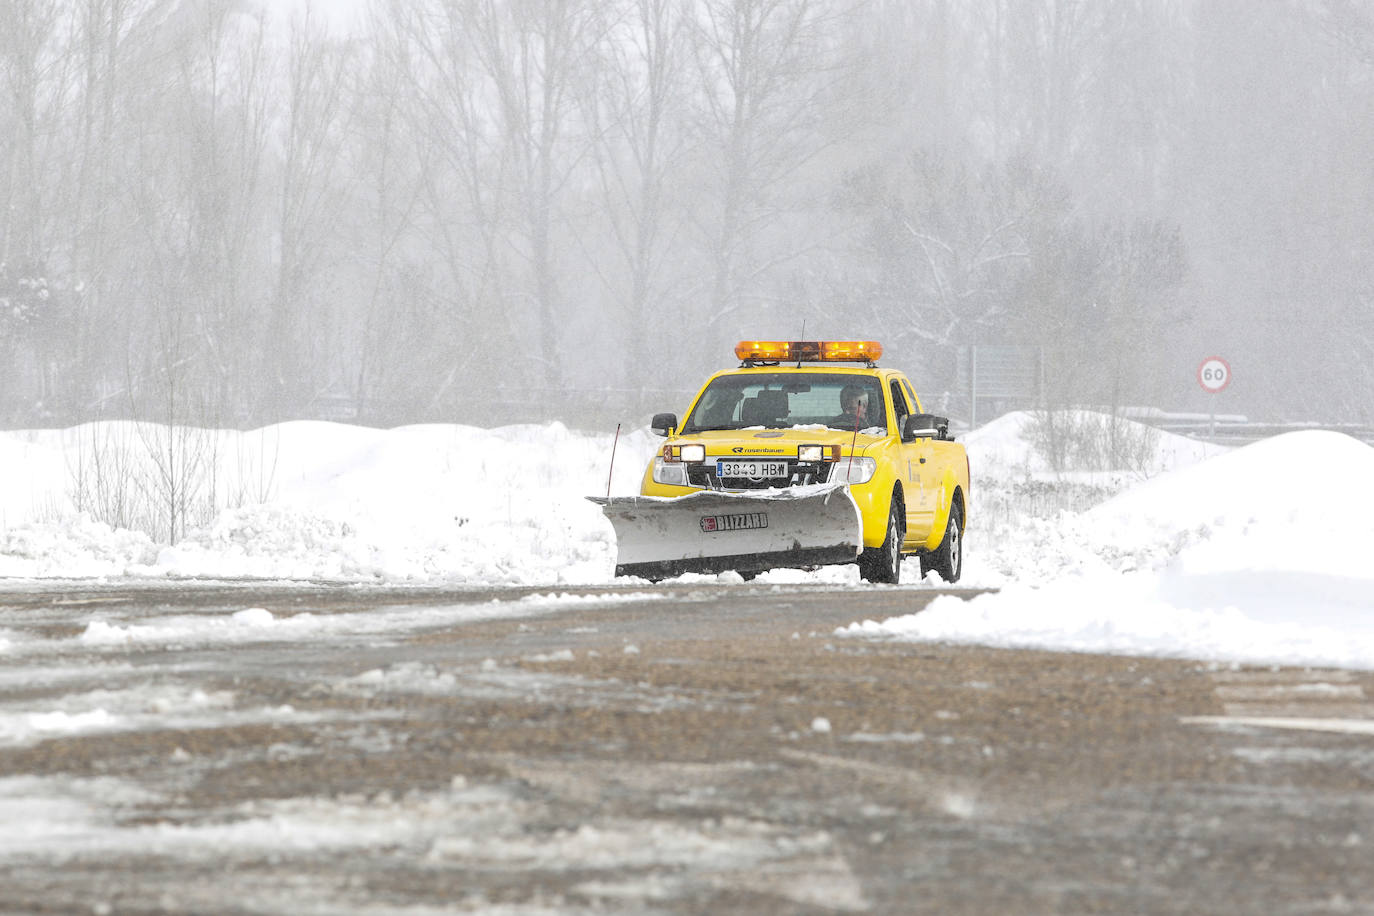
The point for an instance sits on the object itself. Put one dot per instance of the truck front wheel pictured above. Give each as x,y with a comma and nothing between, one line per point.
884,564
948,558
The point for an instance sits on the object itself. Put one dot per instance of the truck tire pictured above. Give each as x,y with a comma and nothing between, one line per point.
884,564
948,559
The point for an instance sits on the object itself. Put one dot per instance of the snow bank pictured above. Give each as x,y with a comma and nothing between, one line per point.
1257,555
312,500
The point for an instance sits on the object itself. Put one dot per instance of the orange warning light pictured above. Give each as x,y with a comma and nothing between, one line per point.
782,351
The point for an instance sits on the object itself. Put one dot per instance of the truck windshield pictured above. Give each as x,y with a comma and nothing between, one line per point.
782,400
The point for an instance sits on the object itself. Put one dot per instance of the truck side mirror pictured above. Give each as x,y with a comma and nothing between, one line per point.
925,426
664,423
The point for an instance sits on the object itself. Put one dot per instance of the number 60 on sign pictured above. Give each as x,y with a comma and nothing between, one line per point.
1214,374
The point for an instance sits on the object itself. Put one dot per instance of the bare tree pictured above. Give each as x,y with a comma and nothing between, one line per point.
225,118
311,211
27,39
1050,56
643,140
951,237
431,182
32,86
116,66
764,70
537,57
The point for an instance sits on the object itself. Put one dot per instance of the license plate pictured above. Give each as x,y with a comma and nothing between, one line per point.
742,521
755,469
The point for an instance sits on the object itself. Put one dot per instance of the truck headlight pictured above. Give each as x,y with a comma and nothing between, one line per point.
854,470
673,473
812,454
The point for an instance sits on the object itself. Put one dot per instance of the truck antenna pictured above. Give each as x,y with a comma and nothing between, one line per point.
614,443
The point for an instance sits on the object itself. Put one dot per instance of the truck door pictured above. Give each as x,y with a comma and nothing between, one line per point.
917,470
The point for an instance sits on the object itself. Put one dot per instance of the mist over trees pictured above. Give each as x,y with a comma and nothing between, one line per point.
219,212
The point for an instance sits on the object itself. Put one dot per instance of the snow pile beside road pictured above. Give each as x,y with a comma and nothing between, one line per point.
1028,524
1234,559
313,500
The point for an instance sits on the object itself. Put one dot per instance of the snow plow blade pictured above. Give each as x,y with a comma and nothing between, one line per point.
713,531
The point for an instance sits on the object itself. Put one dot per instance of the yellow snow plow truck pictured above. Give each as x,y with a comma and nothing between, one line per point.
809,454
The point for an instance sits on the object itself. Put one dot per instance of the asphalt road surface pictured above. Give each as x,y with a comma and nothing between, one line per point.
684,749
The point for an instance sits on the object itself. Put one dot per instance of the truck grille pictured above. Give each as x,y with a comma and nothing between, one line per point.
704,475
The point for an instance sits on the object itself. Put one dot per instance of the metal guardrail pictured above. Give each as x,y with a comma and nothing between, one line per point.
1237,429
1245,433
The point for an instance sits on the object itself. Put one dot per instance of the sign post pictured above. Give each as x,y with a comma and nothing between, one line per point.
1214,374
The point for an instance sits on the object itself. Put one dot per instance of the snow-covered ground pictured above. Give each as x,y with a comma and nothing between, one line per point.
1252,555
1260,554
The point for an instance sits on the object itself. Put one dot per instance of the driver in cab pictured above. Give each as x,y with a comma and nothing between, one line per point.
853,408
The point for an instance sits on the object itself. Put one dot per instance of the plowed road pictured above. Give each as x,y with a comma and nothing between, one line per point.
189,748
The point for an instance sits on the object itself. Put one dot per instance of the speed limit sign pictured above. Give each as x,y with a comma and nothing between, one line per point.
1214,374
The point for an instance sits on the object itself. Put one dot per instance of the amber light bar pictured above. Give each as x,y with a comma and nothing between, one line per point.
815,351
